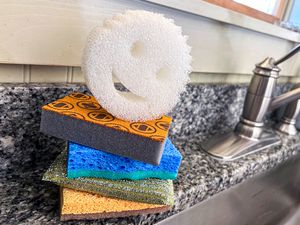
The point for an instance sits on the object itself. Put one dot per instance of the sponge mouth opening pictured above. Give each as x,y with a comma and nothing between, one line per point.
162,75
124,92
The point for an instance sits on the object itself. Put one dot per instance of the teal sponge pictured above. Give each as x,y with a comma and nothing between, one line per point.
88,162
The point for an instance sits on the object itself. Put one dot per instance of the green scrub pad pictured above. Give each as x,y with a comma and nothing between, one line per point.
88,162
153,191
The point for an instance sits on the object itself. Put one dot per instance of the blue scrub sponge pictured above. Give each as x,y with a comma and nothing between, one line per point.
88,162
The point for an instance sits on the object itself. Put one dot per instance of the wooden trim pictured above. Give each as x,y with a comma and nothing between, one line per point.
287,10
281,9
246,10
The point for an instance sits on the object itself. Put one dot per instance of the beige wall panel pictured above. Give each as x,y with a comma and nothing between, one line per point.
219,78
53,32
48,74
11,73
54,74
233,78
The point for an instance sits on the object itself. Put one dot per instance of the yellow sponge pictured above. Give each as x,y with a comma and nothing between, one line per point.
76,205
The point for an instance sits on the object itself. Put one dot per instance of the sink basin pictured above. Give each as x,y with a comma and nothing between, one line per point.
271,198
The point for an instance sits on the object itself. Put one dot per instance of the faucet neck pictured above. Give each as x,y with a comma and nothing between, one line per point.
258,99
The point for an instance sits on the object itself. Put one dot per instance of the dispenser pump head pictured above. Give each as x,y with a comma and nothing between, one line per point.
267,68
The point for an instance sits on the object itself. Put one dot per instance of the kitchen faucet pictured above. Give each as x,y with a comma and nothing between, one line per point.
250,134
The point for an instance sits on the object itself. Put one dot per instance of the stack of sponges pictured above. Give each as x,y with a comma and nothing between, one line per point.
111,167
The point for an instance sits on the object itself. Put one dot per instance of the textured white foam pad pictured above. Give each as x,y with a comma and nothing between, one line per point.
148,54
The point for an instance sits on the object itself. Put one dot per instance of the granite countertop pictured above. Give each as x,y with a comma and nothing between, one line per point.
205,110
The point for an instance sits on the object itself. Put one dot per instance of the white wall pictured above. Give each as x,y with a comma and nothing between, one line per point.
53,33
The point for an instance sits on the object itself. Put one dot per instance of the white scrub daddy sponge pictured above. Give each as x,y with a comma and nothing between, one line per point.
148,54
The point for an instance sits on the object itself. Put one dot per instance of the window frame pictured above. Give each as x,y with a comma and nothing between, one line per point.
246,10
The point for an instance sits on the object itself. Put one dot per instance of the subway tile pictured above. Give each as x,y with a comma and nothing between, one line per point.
48,74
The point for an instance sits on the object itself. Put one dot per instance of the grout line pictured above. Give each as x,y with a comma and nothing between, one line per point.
26,73
72,80
23,73
69,76
72,74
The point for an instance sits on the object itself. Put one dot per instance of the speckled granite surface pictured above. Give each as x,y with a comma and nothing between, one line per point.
205,110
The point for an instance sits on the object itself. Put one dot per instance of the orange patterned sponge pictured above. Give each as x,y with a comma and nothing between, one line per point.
79,118
76,205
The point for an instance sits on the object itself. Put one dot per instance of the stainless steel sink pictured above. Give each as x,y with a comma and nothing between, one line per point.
272,198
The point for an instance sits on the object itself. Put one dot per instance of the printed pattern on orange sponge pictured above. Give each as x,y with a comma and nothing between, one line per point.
85,107
83,205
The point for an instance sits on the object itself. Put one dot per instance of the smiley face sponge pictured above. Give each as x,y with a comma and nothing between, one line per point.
87,162
153,67
79,118
77,205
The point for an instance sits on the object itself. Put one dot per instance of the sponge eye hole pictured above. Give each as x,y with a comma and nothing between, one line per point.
137,49
163,74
